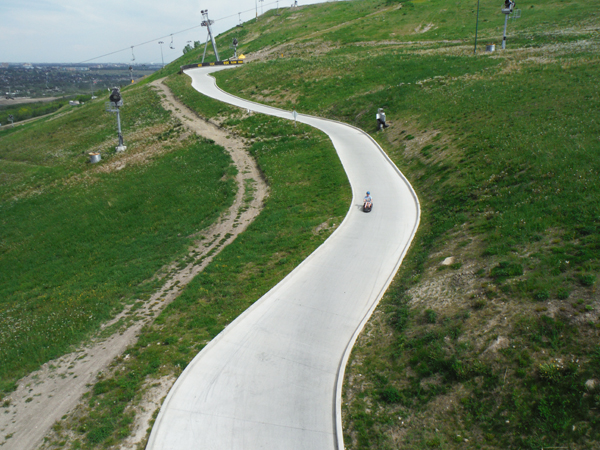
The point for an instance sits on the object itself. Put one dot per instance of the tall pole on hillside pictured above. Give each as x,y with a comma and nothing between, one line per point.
256,6
476,27
116,101
507,10
161,53
504,36
207,23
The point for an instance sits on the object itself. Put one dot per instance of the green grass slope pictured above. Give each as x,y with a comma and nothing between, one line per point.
299,164
78,241
495,348
498,348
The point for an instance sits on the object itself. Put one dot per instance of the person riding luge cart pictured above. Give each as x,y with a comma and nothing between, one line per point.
367,202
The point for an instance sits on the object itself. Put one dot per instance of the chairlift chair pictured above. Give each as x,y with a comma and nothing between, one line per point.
171,45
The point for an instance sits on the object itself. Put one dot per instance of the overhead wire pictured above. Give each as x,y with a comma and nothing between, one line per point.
167,35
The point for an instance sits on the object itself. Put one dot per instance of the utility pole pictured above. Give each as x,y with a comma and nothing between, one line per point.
207,23
256,6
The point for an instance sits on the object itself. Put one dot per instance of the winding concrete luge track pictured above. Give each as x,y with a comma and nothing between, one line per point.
273,378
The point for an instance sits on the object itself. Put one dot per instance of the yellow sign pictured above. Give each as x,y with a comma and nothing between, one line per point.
242,57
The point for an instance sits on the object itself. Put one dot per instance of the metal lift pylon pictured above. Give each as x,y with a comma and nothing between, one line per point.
207,23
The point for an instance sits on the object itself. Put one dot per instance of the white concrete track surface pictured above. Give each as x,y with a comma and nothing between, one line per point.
272,379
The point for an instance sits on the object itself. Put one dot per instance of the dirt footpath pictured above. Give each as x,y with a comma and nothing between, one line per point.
46,395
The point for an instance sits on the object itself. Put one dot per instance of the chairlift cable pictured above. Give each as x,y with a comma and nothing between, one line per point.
166,36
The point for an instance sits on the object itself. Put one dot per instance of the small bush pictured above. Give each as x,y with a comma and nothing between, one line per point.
170,340
430,316
479,304
586,279
434,443
390,395
551,372
506,270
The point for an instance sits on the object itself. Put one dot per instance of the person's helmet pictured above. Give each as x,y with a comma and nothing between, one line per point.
368,193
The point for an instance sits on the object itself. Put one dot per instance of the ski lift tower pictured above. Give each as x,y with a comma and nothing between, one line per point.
116,101
207,23
509,13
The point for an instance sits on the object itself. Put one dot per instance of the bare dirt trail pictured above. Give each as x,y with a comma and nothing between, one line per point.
46,395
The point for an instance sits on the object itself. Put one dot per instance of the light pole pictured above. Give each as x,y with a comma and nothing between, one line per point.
161,53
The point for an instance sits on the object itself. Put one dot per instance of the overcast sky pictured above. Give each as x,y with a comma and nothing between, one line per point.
74,31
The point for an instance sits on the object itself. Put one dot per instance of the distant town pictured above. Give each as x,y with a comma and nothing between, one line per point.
22,81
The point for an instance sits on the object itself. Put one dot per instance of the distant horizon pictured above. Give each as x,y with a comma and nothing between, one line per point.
81,64
67,32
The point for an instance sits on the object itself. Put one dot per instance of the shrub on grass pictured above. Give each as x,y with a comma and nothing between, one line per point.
390,395
586,279
541,295
506,270
430,316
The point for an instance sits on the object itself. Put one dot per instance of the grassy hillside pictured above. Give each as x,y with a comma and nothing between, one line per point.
79,240
493,349
299,163
489,337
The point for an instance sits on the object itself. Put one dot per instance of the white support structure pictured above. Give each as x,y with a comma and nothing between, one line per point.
207,23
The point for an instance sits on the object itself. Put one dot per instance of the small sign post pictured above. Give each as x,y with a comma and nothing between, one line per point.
295,114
